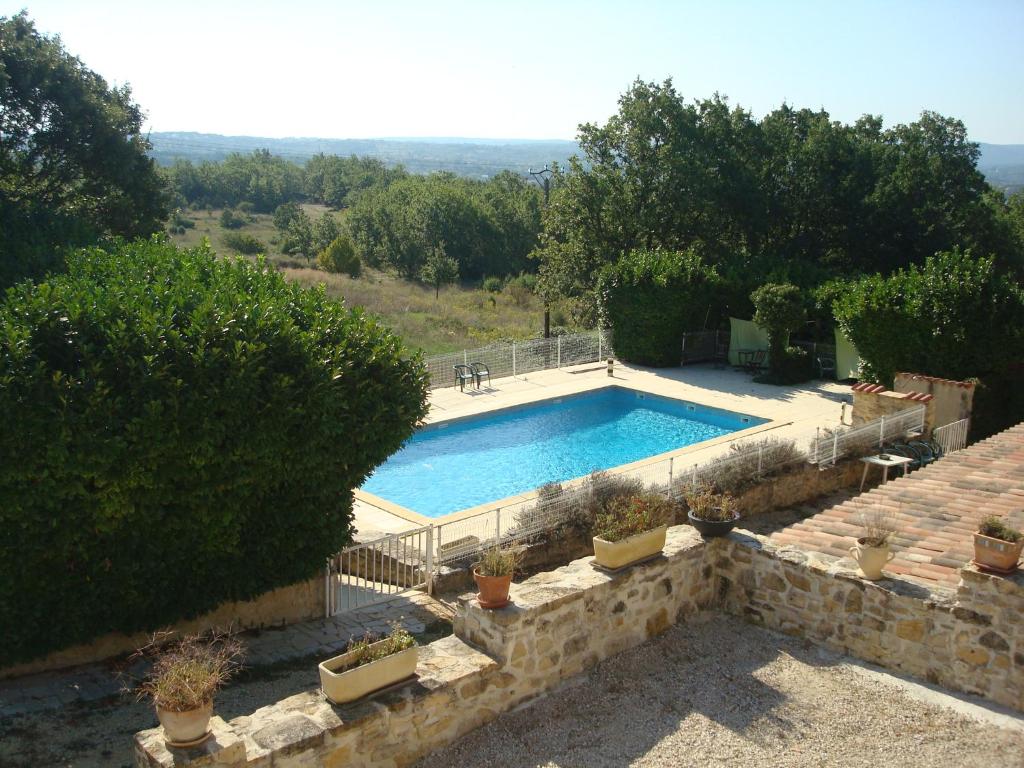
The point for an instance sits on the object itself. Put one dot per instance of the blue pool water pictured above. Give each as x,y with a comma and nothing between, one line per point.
462,463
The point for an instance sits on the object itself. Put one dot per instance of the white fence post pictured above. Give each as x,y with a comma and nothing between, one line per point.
835,447
600,338
327,589
430,559
513,359
465,357
497,526
760,458
558,359
671,460
881,431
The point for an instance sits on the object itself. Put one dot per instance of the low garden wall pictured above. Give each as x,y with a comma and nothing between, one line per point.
285,605
565,621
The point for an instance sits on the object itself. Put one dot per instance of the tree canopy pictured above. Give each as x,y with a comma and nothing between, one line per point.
73,163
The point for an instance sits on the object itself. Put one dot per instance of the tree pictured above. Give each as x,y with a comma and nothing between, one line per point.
284,214
340,257
779,309
298,239
439,269
73,162
325,232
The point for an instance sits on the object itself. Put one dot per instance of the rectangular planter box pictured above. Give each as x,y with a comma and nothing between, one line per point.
342,684
618,554
995,553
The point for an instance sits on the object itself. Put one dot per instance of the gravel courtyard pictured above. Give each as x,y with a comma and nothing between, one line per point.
722,692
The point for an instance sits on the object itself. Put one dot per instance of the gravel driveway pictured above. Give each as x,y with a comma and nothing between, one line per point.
722,692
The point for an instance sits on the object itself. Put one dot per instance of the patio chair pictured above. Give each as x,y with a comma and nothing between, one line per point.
826,367
480,370
463,373
751,360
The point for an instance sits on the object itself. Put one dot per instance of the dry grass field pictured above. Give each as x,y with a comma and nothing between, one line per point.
462,317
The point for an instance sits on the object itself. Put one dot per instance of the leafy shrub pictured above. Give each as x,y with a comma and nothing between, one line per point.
181,221
394,642
340,257
180,430
650,299
243,243
573,511
996,528
521,289
493,284
956,317
231,220
779,309
626,516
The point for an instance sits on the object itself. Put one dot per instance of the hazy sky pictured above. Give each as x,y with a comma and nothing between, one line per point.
537,69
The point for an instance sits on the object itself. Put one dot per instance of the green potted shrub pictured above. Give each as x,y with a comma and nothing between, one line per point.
997,546
712,514
631,529
369,664
183,679
493,575
872,549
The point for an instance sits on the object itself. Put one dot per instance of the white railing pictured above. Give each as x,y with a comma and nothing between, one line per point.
374,571
952,437
833,445
518,358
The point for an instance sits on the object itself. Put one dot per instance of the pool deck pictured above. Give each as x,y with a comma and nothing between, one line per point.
793,412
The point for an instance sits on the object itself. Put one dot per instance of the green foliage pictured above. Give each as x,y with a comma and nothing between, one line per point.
794,197
704,504
500,561
955,317
650,298
73,163
996,528
325,231
243,243
180,430
298,238
284,214
372,647
493,284
627,516
260,179
439,269
231,220
340,257
779,309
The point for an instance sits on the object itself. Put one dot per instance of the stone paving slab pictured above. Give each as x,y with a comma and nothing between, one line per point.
93,682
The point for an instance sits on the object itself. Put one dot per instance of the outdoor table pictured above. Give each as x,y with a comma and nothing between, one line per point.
889,460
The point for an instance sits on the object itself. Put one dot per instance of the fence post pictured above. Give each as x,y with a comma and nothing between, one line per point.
513,359
835,447
881,431
327,589
693,477
465,357
558,358
430,559
497,526
671,459
817,437
760,458
600,338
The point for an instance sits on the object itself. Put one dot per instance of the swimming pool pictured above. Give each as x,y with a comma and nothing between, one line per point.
453,465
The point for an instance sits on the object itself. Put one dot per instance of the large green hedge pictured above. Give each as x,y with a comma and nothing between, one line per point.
650,299
956,317
178,431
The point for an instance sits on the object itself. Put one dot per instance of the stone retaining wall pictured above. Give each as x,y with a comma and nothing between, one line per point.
968,639
565,621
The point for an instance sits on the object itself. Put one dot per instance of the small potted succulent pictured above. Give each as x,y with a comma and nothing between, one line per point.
997,546
369,664
712,514
872,549
185,675
493,575
631,529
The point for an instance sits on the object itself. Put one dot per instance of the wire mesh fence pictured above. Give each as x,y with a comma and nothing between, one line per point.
828,447
517,358
952,437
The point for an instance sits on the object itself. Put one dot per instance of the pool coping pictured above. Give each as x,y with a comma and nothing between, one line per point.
422,520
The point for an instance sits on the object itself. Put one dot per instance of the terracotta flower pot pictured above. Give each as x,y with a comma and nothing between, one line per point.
711,529
618,554
186,729
996,554
493,589
870,559
343,683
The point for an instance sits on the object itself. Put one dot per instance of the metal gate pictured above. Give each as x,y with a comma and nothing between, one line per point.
379,570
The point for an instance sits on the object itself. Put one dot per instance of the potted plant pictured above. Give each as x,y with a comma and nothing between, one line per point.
493,575
183,679
997,546
712,514
631,529
872,549
369,664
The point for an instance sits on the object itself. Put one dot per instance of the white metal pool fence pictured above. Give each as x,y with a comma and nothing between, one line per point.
518,358
952,437
357,570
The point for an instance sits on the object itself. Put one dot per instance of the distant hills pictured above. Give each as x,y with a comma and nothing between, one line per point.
477,158
1002,164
